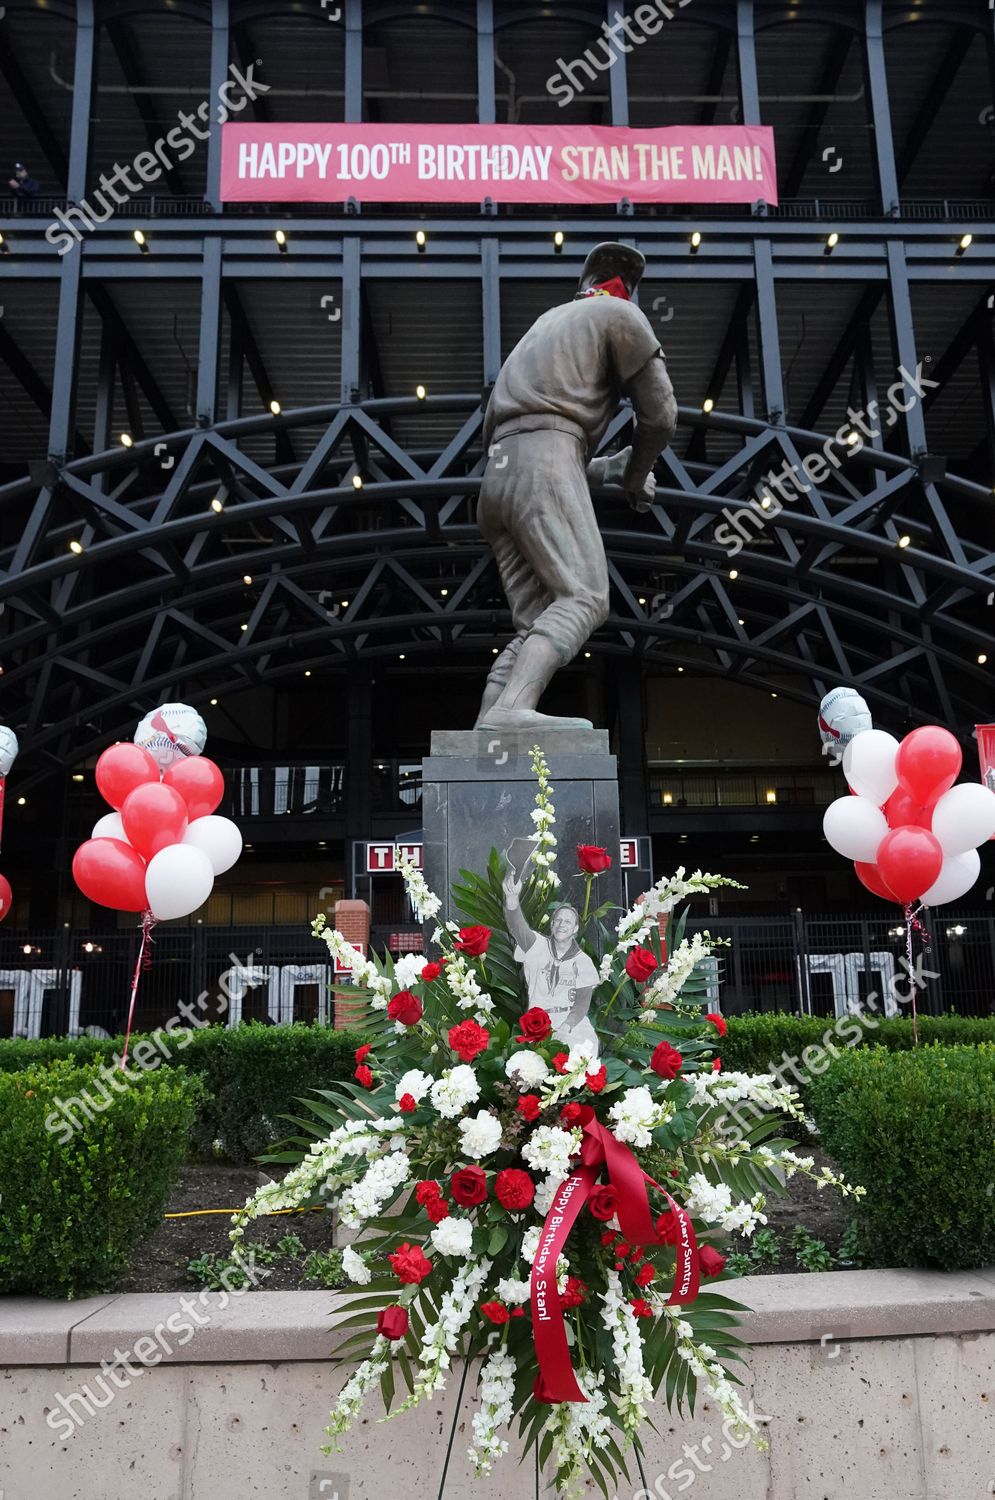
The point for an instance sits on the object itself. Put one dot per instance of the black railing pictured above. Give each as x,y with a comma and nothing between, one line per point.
69,981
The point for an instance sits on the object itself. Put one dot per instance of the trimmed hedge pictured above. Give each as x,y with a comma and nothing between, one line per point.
252,1074
755,1042
82,1185
917,1130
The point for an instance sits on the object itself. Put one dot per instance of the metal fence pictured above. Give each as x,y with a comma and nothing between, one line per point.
70,982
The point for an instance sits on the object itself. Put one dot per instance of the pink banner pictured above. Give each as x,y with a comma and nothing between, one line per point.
509,163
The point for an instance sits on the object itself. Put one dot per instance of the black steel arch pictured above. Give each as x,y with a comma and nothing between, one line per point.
154,605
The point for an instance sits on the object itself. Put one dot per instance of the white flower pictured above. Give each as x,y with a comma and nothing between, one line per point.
713,1201
636,1114
549,1149
457,1088
371,1194
453,1237
355,1267
414,1083
426,903
514,1292
480,1135
530,1244
635,1390
526,1069
497,1407
545,1193
407,970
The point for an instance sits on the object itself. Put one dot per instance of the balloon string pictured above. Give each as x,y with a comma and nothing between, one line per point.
144,961
3,783
909,919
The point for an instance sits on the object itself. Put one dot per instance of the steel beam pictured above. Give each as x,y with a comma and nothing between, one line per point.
877,85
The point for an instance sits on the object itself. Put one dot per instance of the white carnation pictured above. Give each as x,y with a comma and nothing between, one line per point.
415,1083
545,1193
407,970
453,1237
514,1292
526,1069
549,1149
480,1135
355,1267
457,1088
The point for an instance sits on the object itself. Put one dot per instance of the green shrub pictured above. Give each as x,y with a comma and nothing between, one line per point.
76,1201
252,1074
917,1130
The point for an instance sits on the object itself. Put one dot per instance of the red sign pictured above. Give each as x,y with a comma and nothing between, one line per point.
409,854
628,854
379,859
342,966
328,163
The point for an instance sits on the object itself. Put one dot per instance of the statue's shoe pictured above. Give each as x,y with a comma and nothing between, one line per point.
528,719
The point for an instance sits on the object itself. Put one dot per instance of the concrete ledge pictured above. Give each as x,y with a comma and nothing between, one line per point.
265,1327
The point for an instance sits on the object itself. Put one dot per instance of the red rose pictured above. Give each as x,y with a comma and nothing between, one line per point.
592,859
641,1308
666,1060
392,1322
596,1081
718,1022
667,1228
437,1210
426,1191
473,940
536,1025
410,1265
431,972
469,1186
528,1106
570,1114
712,1262
514,1189
560,1061
364,1076
717,1065
406,1008
407,1104
467,1039
495,1312
603,1202
609,1237
573,1293
640,964
362,1053
646,1275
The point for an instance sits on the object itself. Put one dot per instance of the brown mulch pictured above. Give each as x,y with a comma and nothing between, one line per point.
159,1264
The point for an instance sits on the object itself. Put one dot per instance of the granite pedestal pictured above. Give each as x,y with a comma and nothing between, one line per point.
478,792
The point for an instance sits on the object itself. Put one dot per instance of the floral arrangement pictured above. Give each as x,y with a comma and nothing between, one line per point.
505,1189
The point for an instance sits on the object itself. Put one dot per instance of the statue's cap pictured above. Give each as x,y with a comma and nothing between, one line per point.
609,259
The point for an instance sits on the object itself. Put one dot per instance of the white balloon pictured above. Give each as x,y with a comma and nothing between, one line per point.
110,827
8,749
219,838
177,881
843,715
964,817
171,733
855,826
958,874
869,765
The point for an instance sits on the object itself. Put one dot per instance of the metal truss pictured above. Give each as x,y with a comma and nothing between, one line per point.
367,551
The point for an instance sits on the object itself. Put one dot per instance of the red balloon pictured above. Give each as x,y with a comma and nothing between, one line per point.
909,860
928,763
154,817
111,873
6,897
870,876
120,769
901,810
199,783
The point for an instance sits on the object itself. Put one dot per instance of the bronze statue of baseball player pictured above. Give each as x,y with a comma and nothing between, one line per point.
552,402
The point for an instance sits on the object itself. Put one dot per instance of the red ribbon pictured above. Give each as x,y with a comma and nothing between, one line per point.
599,1148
